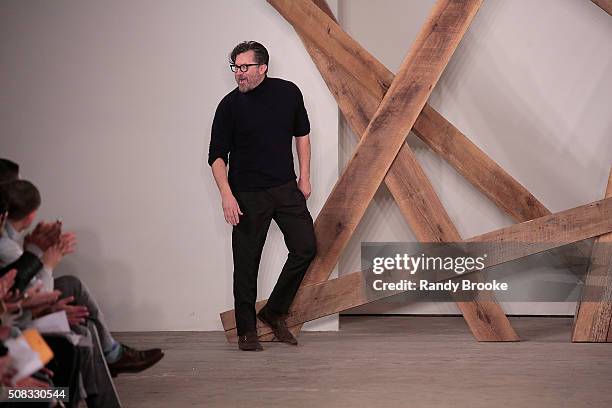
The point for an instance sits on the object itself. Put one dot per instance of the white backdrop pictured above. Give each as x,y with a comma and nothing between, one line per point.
107,105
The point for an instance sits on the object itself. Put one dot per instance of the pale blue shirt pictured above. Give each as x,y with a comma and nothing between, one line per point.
11,248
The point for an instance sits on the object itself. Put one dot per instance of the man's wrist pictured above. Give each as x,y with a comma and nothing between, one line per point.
226,192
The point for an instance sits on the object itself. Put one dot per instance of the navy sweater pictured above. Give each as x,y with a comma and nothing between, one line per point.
253,133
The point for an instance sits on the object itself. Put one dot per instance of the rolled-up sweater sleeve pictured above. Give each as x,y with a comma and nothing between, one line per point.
301,124
221,134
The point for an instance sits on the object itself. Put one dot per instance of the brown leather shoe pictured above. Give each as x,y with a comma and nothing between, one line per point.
249,342
278,325
135,361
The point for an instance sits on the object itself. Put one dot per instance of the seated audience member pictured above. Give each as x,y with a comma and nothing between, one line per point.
95,384
43,236
24,201
62,370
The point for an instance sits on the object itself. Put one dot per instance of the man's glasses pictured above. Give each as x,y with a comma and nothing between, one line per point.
242,68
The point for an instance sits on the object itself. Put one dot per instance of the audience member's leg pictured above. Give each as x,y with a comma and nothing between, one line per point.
121,359
65,366
87,356
105,394
73,286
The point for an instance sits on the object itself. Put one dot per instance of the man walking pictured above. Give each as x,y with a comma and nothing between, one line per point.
255,125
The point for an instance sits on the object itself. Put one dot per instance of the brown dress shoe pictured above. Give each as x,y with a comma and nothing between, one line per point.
249,342
134,361
278,325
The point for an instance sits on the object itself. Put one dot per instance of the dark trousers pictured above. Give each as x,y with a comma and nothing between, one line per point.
286,205
65,365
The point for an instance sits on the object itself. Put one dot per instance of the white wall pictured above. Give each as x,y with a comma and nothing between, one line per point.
530,85
107,105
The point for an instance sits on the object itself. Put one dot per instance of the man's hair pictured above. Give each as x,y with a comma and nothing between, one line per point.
23,198
4,201
9,171
261,53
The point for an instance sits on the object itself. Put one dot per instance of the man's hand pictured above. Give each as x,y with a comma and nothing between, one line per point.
6,283
52,256
44,235
67,243
6,371
34,297
5,332
305,187
231,210
76,314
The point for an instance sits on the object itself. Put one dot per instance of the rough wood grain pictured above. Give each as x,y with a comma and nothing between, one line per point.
331,39
429,222
605,5
542,234
386,132
594,312
357,101
410,188
407,182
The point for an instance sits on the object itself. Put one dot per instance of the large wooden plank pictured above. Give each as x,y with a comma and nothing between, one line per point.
594,312
407,182
326,42
605,5
426,217
542,234
415,195
490,178
330,39
386,133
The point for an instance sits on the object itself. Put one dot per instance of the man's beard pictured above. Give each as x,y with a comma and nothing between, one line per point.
248,85
244,88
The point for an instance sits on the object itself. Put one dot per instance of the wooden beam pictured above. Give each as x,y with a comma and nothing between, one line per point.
594,311
605,5
542,234
406,180
386,132
330,39
325,41
474,165
416,197
358,105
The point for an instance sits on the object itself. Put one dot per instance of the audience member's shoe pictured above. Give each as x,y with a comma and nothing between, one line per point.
249,342
135,361
278,325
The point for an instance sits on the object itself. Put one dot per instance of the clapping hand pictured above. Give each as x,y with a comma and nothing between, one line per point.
76,314
35,297
6,283
6,371
44,235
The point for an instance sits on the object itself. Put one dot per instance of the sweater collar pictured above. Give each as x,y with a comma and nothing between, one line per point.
259,88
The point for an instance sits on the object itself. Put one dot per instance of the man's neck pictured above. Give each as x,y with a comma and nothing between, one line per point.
16,225
259,84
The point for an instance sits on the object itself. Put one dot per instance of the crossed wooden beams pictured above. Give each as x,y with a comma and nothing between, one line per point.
381,110
605,5
594,313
